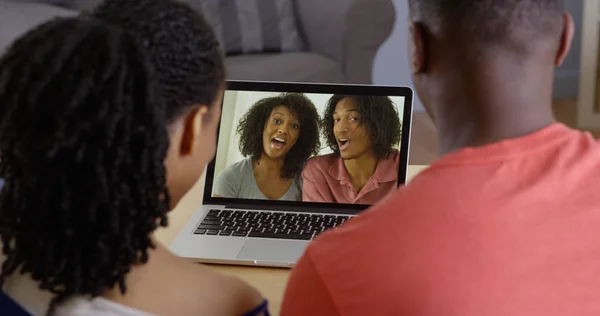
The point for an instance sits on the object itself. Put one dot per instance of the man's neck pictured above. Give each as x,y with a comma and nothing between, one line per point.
360,169
479,132
489,107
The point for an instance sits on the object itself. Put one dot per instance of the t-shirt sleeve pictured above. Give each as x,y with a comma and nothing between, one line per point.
225,184
310,190
306,292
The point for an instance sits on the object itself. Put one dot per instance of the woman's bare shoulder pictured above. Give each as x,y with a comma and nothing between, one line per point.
229,295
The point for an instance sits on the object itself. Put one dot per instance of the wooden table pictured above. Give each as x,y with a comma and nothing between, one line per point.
269,281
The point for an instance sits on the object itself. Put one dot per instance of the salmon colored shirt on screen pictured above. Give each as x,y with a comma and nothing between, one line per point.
325,179
511,228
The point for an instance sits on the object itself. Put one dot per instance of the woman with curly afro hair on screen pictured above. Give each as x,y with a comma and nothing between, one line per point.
363,132
277,135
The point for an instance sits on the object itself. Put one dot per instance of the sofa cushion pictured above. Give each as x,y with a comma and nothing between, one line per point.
293,67
51,2
78,5
16,18
83,5
244,27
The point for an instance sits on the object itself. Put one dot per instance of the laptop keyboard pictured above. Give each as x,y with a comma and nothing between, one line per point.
281,225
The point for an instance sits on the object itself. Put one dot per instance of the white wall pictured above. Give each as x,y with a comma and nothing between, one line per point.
237,103
392,62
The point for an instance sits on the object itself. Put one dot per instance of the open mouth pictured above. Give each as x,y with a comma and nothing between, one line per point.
278,142
343,143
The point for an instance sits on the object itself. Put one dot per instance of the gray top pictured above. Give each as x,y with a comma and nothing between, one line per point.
237,181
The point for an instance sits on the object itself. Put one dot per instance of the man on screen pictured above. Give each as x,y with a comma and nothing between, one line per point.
363,132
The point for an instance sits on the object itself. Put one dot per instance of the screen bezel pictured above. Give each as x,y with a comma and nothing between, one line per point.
317,207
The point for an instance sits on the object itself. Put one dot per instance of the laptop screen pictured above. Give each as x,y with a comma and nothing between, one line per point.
306,144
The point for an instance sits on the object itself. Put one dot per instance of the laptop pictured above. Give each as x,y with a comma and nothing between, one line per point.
259,231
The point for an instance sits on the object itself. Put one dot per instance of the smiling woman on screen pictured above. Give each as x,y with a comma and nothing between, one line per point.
278,135
363,168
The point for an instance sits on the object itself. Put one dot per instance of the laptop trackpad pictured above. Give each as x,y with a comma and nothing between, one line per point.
269,250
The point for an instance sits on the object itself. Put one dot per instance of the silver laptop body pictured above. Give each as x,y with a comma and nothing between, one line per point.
267,232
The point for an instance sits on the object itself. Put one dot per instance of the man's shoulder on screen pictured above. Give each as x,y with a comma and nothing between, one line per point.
321,163
326,164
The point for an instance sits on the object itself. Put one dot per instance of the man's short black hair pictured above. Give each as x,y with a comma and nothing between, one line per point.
251,127
381,119
492,22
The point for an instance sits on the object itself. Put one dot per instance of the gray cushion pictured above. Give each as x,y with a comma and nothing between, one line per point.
293,67
16,18
51,2
78,5
82,5
261,26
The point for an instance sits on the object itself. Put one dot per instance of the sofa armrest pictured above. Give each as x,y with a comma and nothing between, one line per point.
347,31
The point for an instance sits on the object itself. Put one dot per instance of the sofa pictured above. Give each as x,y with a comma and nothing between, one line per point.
340,38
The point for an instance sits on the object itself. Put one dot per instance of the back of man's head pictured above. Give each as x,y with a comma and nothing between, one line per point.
481,63
510,24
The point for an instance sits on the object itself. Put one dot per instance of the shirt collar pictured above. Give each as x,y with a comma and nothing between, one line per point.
382,174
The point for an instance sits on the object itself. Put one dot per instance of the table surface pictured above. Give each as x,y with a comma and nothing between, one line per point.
270,282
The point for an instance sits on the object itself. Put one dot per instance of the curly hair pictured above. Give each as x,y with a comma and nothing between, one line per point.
381,119
84,117
252,124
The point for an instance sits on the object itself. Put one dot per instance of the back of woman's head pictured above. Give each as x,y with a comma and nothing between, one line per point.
84,120
181,44
82,133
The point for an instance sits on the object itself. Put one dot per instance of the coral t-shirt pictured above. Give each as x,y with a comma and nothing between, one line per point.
511,228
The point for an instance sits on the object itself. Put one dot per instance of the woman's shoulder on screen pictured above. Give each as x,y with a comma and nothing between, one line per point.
236,168
234,172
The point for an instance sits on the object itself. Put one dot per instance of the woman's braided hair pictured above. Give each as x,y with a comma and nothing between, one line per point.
85,105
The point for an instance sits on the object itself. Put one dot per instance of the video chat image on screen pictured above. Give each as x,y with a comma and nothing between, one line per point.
308,147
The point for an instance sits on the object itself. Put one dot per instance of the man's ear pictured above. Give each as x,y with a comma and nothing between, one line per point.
417,46
566,39
192,128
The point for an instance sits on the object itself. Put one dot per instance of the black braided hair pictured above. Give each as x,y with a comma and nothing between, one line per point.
381,119
182,45
82,138
252,124
84,112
